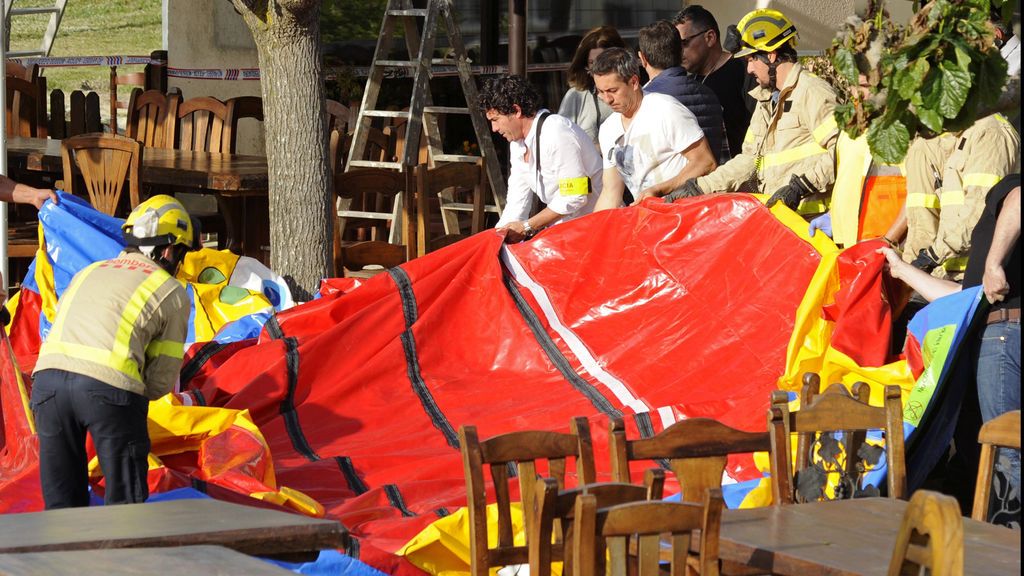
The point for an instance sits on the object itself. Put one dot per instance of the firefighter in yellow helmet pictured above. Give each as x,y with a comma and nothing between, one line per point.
116,343
789,149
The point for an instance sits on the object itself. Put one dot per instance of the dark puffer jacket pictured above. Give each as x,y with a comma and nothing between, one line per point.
701,100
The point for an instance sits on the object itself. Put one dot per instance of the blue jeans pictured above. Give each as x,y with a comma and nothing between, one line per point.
998,373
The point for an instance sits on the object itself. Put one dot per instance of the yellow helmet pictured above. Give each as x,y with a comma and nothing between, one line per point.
763,30
158,221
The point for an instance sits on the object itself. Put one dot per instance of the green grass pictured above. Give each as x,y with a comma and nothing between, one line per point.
91,28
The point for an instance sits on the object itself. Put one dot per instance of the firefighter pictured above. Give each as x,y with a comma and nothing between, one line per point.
789,149
116,343
948,177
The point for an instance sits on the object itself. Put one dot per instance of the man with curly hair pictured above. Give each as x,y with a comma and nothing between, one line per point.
551,158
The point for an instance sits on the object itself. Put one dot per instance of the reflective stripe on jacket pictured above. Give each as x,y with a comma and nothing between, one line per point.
947,181
123,322
796,136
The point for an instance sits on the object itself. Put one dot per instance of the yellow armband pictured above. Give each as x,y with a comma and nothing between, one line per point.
574,186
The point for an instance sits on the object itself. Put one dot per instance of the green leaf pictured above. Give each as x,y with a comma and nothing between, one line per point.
846,65
909,78
931,119
889,141
844,114
955,84
963,59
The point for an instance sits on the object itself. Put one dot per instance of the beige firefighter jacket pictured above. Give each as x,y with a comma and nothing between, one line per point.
948,178
123,322
796,136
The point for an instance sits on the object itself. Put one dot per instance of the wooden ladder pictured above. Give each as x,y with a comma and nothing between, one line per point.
56,12
422,114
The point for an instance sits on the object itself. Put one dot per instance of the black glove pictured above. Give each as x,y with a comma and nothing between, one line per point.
791,194
926,260
689,189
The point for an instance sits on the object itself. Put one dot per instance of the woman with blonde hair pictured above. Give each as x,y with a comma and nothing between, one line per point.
581,104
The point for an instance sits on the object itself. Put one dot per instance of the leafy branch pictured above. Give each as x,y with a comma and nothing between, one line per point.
940,73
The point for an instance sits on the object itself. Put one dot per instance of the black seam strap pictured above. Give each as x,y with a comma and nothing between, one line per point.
555,355
355,483
196,363
409,310
291,418
396,500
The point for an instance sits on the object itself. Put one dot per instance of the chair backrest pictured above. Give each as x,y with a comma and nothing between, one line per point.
931,537
240,108
549,538
24,102
516,453
829,424
337,132
697,451
449,183
29,73
368,198
201,125
137,79
107,163
612,528
152,118
359,259
1000,432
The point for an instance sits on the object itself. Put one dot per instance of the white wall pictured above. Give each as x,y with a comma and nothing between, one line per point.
210,34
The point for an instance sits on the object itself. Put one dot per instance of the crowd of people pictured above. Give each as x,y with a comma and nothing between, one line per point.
740,114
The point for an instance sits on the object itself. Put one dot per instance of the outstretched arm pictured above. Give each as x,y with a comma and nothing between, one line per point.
11,191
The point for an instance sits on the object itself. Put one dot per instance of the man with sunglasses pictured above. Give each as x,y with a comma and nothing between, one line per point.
789,149
706,62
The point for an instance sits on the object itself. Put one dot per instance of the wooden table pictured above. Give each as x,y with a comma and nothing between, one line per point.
850,537
246,529
138,561
232,178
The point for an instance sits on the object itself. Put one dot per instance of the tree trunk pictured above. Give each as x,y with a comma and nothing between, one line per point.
287,35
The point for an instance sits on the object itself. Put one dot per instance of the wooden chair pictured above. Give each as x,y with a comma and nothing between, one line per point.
549,539
201,125
516,452
240,108
446,183
337,132
106,163
137,79
931,537
368,199
1000,432
697,450
30,73
614,527
25,105
834,411
151,118
368,258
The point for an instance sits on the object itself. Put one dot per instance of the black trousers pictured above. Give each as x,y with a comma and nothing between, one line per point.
65,405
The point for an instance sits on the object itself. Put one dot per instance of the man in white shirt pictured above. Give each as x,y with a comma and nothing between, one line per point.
652,144
550,156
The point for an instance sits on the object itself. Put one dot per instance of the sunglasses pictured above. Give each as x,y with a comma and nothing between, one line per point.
686,41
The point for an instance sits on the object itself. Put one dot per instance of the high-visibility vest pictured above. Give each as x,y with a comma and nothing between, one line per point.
867,196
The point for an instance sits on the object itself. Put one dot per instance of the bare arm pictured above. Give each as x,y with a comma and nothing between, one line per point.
1006,234
517,232
928,286
612,188
898,229
11,191
699,161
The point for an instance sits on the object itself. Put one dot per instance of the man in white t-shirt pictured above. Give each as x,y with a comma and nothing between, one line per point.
652,144
551,158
